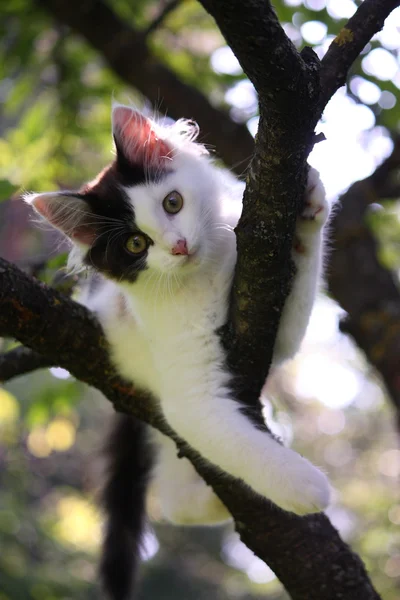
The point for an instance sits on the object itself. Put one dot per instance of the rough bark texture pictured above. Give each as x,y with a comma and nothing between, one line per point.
349,43
288,88
306,553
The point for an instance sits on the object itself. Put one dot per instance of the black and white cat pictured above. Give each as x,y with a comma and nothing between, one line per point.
157,224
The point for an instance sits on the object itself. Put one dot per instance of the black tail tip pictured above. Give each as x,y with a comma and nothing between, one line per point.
118,567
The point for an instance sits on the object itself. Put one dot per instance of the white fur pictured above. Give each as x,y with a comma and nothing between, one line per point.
170,347
186,499
165,340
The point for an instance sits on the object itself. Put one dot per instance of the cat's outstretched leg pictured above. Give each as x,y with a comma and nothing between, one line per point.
213,424
307,255
185,497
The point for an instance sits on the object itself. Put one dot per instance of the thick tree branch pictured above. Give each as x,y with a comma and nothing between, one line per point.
305,553
264,51
125,50
349,43
20,361
290,106
361,284
288,89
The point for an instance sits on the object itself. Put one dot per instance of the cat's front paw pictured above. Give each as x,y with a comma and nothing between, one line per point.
314,214
303,488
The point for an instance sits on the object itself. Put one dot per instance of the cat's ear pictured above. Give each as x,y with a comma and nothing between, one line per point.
67,212
136,139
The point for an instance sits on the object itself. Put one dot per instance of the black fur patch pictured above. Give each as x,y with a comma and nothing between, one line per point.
114,222
130,458
114,218
131,173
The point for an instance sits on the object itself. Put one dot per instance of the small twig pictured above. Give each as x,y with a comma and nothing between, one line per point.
160,18
20,361
319,137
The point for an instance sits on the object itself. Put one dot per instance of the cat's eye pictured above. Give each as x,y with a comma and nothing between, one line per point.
173,203
136,244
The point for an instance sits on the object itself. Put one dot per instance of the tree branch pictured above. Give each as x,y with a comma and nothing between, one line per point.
37,316
117,42
291,103
20,361
288,94
348,44
366,290
263,49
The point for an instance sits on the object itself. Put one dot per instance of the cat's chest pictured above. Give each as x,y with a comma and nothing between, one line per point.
179,323
167,340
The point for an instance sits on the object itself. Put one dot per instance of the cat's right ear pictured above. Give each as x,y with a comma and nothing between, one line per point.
67,212
138,140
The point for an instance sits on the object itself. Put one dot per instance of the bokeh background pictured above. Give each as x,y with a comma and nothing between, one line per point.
55,98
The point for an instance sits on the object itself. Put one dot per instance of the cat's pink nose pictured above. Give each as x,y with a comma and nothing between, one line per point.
180,247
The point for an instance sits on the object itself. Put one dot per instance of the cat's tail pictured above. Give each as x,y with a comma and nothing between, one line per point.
129,462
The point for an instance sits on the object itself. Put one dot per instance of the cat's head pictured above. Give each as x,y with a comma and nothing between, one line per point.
153,209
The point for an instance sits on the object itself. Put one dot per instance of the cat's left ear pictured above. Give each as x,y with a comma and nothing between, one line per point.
66,211
137,140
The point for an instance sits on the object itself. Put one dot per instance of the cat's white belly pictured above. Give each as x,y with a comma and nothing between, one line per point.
165,349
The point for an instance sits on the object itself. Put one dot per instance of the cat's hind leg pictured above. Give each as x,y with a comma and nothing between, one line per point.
185,498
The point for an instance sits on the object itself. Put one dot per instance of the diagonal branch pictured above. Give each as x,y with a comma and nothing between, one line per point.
21,361
37,316
125,50
348,44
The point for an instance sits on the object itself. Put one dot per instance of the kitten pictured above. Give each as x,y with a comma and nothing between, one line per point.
157,224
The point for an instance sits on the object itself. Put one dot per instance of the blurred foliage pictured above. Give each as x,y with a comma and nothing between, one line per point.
6,189
384,220
55,96
55,91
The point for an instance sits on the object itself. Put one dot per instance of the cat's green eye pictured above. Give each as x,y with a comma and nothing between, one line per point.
136,244
173,203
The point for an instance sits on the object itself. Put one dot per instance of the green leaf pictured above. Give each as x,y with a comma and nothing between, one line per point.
7,189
